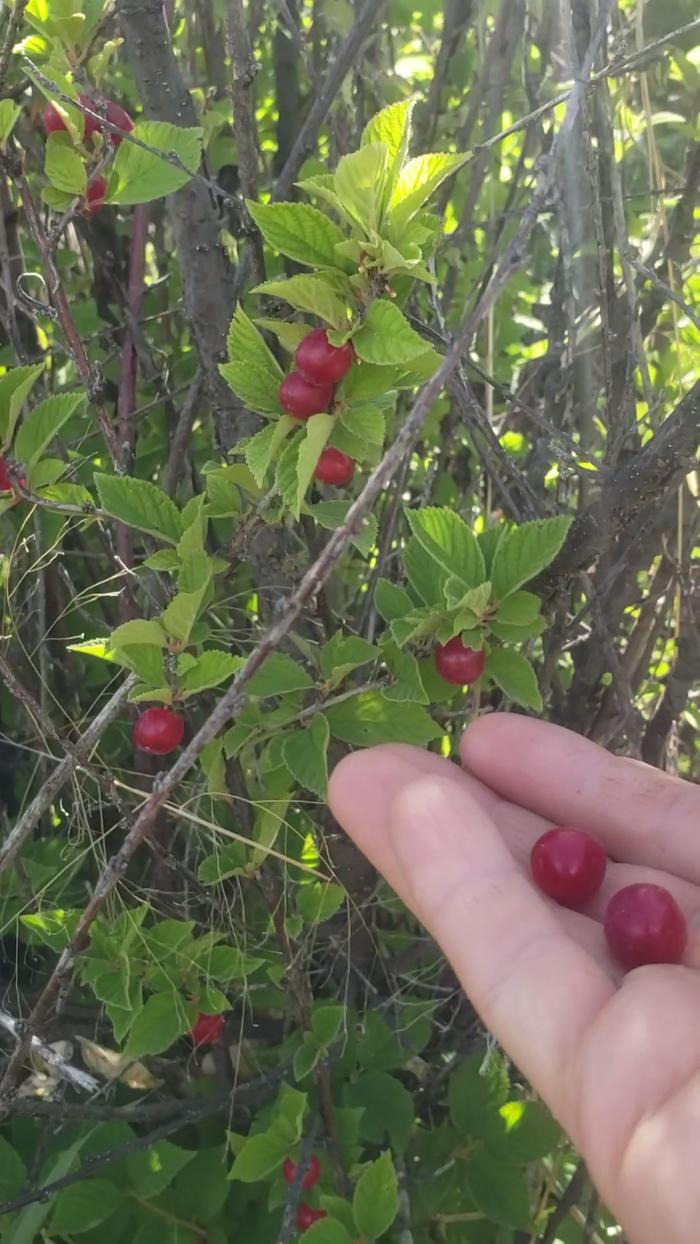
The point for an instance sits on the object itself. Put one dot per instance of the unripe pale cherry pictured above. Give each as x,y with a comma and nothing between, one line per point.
644,924
334,467
319,361
301,399
208,1029
312,1174
457,663
307,1216
568,865
158,731
95,194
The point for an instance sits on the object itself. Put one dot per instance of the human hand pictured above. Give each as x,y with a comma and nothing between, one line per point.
616,1057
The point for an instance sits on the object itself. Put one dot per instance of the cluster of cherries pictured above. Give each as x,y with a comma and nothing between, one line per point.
643,922
306,1214
308,390
114,115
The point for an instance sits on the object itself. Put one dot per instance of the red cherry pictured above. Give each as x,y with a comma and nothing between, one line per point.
158,731
321,363
644,924
568,865
5,480
208,1029
458,663
116,115
333,467
301,399
311,1175
53,121
307,1216
94,199
91,126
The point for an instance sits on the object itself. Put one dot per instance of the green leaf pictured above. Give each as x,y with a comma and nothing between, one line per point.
245,344
327,1231
140,631
146,660
194,582
257,389
28,1223
227,963
476,1092
529,1133
13,1173
279,676
317,294
389,1110
419,178
63,166
448,541
304,754
386,337
370,718
317,430
515,676
288,332
84,1205
209,670
152,1170
376,1200
139,176
342,654
298,231
409,684
524,551
9,112
155,1028
43,423
259,1157
15,387
501,1193
261,450
225,862
359,182
359,431
391,126
519,609
326,1022
425,575
319,900
332,514
322,187
140,504
488,543
391,601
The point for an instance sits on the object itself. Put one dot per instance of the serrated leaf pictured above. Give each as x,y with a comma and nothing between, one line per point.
322,186
43,423
317,431
246,344
342,654
359,182
286,472
9,112
63,166
424,573
524,551
140,176
319,900
262,449
386,337
391,126
477,1089
488,543
370,718
327,1231
376,1199
418,179
519,609
210,670
501,1193
147,661
304,754
138,503
152,1170
388,1107
257,388
332,514
448,541
84,1205
299,231
15,387
316,294
515,676
160,1022
409,684
259,1156
280,675
140,631
288,332
391,601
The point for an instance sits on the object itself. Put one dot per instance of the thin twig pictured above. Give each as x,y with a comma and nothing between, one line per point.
13,25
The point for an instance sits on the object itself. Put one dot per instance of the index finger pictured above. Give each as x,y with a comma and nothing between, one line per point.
640,814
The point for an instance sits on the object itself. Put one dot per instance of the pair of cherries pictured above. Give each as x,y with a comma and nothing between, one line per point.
643,922
308,390
306,1214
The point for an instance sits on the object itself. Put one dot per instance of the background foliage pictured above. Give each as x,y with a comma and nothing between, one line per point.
164,541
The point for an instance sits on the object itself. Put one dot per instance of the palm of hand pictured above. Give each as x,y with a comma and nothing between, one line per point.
617,1058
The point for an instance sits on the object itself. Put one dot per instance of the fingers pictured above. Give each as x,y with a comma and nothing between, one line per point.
641,815
535,987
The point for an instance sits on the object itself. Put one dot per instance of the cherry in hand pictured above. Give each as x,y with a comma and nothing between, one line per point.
568,865
320,362
457,663
312,1174
208,1029
307,1216
334,467
158,731
301,399
644,924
